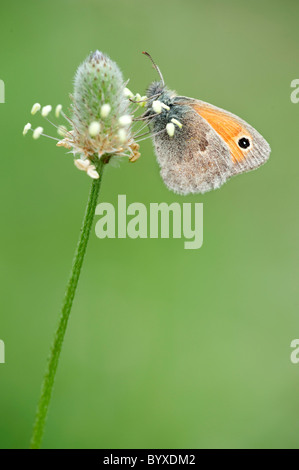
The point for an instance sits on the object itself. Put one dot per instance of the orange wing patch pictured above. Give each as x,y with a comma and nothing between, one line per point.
227,127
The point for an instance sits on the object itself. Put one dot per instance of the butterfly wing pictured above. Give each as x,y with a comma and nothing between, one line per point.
196,159
248,149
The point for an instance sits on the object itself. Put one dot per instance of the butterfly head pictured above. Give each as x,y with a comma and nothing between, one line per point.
159,103
155,90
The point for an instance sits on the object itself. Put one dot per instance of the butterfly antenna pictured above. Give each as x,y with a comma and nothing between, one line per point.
155,67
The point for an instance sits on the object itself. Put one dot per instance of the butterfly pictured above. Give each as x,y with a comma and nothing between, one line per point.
199,146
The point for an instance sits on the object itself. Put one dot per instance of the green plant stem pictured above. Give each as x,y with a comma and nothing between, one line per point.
48,382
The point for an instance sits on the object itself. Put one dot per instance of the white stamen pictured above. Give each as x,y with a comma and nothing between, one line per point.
125,120
82,164
178,123
37,132
58,110
26,128
157,106
62,131
128,93
170,129
46,110
122,135
165,106
35,108
92,172
94,128
143,101
105,110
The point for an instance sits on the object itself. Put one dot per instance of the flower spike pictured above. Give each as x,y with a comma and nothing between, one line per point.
100,120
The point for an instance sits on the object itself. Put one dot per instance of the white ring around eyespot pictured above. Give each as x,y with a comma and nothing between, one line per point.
244,136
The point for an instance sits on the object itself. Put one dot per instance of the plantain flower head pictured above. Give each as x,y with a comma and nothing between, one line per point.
99,123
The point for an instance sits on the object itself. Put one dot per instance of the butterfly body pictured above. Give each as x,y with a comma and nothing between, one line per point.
208,144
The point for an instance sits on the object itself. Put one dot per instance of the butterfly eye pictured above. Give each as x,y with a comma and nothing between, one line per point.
244,143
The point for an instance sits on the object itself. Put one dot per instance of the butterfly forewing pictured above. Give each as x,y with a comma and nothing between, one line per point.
247,147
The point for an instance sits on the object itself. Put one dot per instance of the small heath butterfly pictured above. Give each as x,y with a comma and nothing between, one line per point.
199,146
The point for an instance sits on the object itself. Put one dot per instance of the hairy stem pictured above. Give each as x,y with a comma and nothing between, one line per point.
48,382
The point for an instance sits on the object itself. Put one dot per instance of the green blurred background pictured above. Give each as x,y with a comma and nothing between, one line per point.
166,347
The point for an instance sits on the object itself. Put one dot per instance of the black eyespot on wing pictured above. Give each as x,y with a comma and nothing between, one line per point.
244,143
